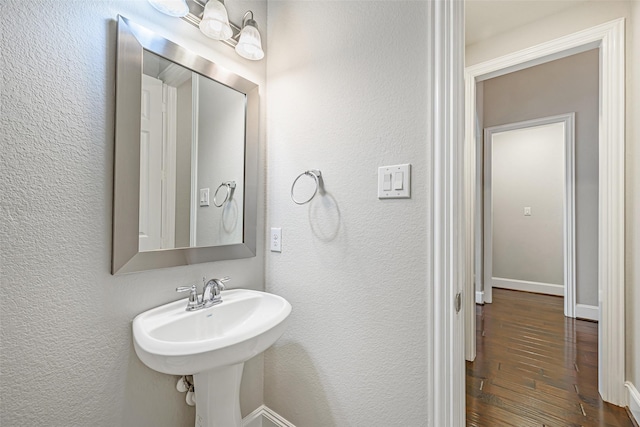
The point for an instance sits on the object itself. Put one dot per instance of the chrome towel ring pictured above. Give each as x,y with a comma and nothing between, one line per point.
230,186
313,173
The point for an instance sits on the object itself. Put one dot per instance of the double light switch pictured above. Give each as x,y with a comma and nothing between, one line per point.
394,182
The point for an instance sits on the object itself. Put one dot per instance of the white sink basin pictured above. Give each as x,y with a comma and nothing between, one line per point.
212,344
171,340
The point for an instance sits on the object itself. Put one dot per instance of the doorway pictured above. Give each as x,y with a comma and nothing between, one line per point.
609,39
529,208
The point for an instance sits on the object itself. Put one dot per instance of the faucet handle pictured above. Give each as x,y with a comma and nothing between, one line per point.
193,294
220,283
193,289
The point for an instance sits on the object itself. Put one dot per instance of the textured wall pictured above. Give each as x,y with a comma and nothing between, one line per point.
563,86
527,169
347,95
67,356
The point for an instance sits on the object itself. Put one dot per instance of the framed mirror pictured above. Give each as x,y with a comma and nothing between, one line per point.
186,151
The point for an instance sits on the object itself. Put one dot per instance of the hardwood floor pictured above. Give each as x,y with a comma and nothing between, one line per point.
535,367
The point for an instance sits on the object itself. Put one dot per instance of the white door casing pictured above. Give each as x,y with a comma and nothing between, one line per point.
609,38
170,101
195,102
445,326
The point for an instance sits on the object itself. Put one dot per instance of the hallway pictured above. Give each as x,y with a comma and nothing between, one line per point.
534,367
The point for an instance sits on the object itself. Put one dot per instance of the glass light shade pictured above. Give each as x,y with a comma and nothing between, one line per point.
177,8
215,21
250,44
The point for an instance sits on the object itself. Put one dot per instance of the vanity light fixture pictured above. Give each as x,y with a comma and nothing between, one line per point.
177,8
249,44
214,23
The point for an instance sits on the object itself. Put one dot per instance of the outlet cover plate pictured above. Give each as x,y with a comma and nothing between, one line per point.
275,239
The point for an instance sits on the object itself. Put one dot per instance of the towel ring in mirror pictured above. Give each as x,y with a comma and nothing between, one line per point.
230,186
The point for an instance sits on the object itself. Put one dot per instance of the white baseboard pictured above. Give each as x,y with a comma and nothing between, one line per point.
252,421
634,400
479,297
265,417
523,285
590,312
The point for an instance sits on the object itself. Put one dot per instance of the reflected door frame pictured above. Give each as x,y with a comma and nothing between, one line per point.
169,141
151,146
157,166
195,126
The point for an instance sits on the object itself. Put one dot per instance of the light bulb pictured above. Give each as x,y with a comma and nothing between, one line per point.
177,8
215,21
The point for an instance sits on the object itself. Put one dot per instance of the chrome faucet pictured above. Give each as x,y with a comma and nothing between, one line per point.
210,294
211,291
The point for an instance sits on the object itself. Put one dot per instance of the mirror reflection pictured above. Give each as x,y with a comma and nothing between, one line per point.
192,156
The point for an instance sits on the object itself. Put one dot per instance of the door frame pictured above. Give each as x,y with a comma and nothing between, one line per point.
445,282
568,207
609,38
169,141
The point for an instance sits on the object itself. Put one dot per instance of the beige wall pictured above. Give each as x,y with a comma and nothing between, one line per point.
346,98
527,169
67,356
582,16
563,86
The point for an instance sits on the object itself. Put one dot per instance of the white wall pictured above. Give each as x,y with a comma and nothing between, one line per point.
582,16
347,95
562,86
67,356
527,168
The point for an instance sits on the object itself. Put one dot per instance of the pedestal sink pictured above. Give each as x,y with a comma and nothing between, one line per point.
211,344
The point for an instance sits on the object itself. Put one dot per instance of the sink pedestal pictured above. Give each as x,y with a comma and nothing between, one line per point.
218,397
211,344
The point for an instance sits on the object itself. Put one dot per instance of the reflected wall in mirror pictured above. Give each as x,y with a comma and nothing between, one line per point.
191,144
185,176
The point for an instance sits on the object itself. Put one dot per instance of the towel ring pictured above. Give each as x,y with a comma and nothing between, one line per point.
316,175
229,185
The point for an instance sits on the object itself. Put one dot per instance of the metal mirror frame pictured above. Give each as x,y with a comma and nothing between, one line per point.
132,40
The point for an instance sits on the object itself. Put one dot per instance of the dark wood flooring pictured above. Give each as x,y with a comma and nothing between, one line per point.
535,367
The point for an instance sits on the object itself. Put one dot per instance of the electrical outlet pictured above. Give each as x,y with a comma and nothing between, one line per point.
276,239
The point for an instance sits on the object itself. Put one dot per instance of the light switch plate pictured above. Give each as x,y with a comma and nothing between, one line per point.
394,171
204,197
